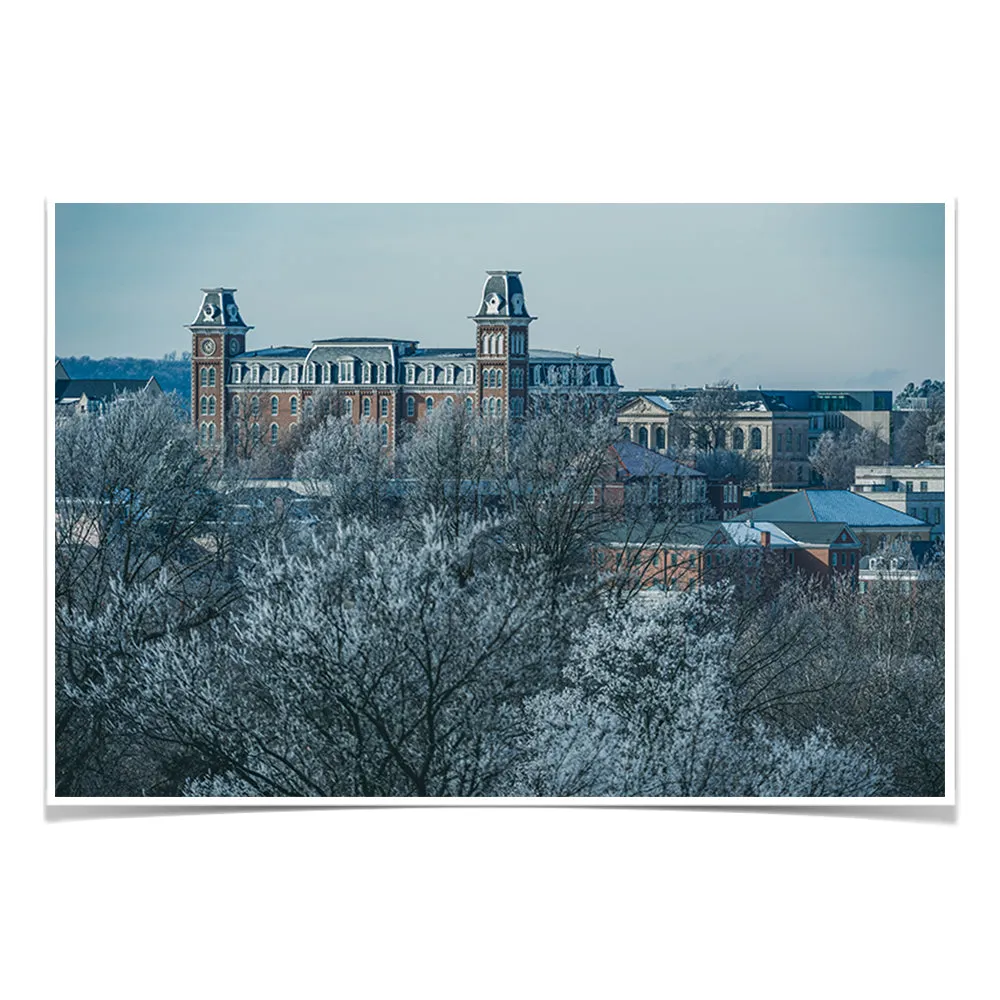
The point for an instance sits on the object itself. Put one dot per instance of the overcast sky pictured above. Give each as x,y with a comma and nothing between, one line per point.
792,296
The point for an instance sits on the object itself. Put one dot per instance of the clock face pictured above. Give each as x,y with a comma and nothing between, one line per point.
234,345
208,346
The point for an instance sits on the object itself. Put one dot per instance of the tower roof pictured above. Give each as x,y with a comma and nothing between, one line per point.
218,311
503,297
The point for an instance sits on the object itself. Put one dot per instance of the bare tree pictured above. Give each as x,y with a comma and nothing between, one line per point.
710,415
836,456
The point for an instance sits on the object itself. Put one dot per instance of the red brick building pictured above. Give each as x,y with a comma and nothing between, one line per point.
248,398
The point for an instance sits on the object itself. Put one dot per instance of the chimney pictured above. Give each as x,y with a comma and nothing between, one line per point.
765,539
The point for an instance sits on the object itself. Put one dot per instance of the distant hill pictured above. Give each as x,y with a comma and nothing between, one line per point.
172,374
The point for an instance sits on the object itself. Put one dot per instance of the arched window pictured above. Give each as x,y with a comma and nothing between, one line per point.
255,433
788,439
274,406
204,376
384,434
468,406
366,372
500,379
383,407
211,433
492,406
366,407
204,405
348,407
235,373
293,405
274,433
429,404
449,403
410,406
236,406
211,378
310,405
211,406
738,438
499,407
204,433
661,439
755,438
500,344
644,437
255,406
491,378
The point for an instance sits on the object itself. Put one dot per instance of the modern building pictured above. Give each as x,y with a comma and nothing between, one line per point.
917,490
92,395
874,524
243,398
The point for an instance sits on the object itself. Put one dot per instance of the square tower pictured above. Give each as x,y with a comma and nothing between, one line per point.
502,346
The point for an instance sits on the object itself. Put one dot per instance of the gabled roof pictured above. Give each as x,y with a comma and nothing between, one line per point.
842,506
818,533
635,460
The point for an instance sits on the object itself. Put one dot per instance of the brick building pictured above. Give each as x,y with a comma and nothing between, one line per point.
242,399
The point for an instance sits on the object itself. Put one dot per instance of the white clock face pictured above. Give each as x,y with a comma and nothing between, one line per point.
234,345
208,347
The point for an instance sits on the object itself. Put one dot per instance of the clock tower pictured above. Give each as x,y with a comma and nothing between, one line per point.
502,345
218,333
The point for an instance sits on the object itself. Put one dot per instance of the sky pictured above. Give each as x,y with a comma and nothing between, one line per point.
831,296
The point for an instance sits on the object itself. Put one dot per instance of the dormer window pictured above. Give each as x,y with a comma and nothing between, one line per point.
366,372
410,374
449,374
346,373
274,373
293,373
236,373
470,375
326,371
429,374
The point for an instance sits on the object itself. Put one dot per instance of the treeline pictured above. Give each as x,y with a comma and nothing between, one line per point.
459,640
172,374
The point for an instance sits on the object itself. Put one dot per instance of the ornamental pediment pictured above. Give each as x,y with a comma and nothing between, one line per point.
644,408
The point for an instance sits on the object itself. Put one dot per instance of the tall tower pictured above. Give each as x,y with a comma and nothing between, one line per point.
217,334
502,345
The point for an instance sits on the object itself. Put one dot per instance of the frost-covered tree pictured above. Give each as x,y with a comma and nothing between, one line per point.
143,546
366,666
837,455
346,469
650,709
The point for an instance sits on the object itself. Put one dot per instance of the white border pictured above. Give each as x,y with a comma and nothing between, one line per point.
948,799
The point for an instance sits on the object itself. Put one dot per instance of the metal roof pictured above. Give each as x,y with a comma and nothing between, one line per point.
849,508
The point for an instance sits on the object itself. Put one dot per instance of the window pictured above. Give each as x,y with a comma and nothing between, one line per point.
909,486
327,371
204,376
236,373
255,406
517,407
738,438
293,405
500,378
255,433
274,406
429,404
204,405
429,375
410,374
211,433
309,406
293,373
366,372
923,486
410,407
468,406
384,434
833,559
673,558
274,433
236,406
255,373
275,377
211,406
852,558
499,407
383,407
366,407
777,443
517,378
449,374
755,438
348,407
449,403
204,433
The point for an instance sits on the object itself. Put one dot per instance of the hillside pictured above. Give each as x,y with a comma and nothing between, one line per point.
172,374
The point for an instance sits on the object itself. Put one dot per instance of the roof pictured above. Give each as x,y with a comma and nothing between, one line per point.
636,460
503,297
695,534
272,352
842,506
543,354
814,533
